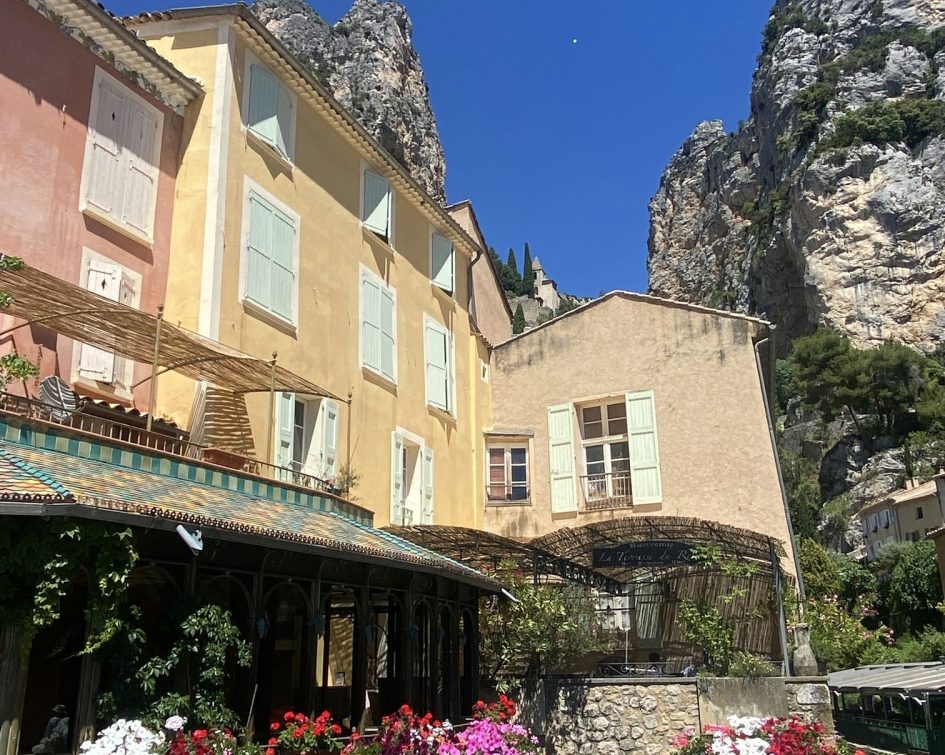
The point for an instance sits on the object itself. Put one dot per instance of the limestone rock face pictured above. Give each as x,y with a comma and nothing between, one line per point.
368,63
763,221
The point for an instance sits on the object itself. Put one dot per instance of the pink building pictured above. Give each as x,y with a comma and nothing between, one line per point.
92,121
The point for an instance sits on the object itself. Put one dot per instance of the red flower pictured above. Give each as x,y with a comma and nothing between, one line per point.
270,751
274,726
200,734
289,715
298,733
273,740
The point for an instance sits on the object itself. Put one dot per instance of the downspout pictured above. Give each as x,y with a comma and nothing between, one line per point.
777,461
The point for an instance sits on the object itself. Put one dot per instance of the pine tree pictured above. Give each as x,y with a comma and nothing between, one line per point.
528,275
518,321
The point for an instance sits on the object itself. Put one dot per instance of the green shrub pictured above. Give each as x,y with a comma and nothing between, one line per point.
909,121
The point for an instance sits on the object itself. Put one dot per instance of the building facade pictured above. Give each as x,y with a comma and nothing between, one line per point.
905,516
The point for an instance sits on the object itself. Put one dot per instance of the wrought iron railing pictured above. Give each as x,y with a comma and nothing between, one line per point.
607,490
621,669
157,441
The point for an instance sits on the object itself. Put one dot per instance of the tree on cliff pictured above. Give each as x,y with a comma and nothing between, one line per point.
528,275
518,321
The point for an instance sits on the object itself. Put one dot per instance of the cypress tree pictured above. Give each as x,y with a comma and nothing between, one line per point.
528,275
512,264
518,321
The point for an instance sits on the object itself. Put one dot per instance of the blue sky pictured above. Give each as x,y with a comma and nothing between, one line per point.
562,143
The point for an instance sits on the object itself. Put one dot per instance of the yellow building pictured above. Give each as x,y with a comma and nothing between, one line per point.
296,233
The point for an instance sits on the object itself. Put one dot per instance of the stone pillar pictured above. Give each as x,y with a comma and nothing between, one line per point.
14,668
805,664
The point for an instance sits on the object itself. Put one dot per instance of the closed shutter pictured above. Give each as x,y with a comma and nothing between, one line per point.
285,117
128,295
426,510
106,179
561,458
388,336
282,268
104,279
645,481
285,430
330,437
259,251
437,359
263,110
140,186
443,263
397,479
376,203
370,324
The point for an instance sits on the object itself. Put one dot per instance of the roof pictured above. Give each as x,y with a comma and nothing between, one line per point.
906,678
50,481
645,299
95,28
323,101
41,298
898,497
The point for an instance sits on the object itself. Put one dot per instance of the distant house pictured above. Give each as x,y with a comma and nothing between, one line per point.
906,516
546,290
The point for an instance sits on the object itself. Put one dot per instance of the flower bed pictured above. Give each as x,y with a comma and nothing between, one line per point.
759,736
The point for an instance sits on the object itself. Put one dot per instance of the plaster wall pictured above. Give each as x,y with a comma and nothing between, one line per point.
716,458
46,82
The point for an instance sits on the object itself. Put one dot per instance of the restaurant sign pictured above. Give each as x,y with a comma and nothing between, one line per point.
643,553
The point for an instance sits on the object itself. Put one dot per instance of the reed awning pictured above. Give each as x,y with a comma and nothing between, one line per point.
42,299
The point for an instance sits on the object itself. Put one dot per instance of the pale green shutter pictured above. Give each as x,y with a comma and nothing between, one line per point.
282,268
646,485
561,458
397,479
426,510
259,251
437,371
376,203
388,338
284,117
443,267
263,111
370,324
330,437
285,427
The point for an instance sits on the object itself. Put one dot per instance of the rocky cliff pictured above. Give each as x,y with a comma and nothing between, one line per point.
368,62
827,205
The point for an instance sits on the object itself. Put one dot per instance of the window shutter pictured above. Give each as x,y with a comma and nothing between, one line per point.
285,425
282,268
561,457
284,118
376,203
140,186
104,279
426,511
397,479
330,437
645,480
105,181
262,115
437,371
127,294
259,251
388,334
370,324
443,271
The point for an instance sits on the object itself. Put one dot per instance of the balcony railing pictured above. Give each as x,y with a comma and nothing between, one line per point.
607,490
157,441
497,494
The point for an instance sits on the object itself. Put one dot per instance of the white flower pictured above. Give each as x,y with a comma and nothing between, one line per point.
175,723
125,738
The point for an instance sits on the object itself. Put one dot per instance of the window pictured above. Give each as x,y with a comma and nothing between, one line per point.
507,472
378,326
111,281
411,480
269,109
919,514
308,438
270,255
606,449
376,204
442,262
122,158
440,366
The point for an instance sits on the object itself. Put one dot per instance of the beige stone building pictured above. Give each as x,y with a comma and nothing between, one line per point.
633,406
906,516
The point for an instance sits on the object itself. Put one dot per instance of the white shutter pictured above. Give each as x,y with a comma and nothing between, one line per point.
127,294
329,437
376,212
284,117
370,324
107,126
437,359
282,268
646,484
561,458
140,186
388,334
104,279
426,510
285,430
263,110
443,263
397,479
259,251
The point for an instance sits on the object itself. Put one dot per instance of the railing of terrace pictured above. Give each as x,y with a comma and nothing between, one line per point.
607,490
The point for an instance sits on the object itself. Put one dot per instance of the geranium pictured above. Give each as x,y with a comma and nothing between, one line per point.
299,733
760,736
203,742
125,738
175,723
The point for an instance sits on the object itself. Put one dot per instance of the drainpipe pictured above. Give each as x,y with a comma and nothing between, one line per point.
766,395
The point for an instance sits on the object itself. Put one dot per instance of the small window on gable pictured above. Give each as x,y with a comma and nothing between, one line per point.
270,111
443,263
270,259
376,204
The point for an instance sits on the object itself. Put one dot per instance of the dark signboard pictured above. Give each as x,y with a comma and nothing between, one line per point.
643,553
